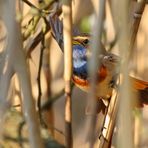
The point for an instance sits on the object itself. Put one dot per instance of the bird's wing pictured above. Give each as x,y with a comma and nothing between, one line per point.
57,30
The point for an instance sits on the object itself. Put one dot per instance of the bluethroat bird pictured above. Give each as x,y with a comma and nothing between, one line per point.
107,71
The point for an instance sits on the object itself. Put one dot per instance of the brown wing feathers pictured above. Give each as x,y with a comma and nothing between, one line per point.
142,88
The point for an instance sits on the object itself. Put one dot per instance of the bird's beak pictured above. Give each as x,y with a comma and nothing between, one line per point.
88,53
112,58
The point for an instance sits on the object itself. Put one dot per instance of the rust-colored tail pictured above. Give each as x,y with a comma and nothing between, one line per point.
142,88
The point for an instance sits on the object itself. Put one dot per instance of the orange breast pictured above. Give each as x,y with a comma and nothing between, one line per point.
84,83
102,73
81,83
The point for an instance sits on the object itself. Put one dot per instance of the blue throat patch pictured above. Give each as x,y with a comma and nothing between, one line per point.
80,61
81,71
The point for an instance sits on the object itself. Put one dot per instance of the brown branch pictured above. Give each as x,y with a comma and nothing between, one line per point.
30,4
31,26
108,127
17,140
136,22
43,10
53,99
47,105
40,35
20,137
35,19
67,31
39,82
35,42
48,115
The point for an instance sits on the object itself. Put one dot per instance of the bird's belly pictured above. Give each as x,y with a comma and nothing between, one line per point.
81,83
103,89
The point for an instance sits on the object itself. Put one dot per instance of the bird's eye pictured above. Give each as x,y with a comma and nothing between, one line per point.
110,58
86,41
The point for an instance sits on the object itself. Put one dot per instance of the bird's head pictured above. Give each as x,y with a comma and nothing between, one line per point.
111,62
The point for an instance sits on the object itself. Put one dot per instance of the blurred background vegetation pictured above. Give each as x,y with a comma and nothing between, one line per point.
34,18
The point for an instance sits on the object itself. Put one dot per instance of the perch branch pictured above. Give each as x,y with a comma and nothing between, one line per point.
108,127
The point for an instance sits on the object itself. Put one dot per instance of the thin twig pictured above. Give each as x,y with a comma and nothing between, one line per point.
35,42
137,18
48,115
39,36
31,5
39,82
44,11
51,100
13,139
31,26
35,19
20,128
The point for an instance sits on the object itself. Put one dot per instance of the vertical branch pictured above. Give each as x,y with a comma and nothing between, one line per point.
6,70
108,127
15,58
39,81
138,12
137,18
125,137
93,67
67,21
48,115
113,106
